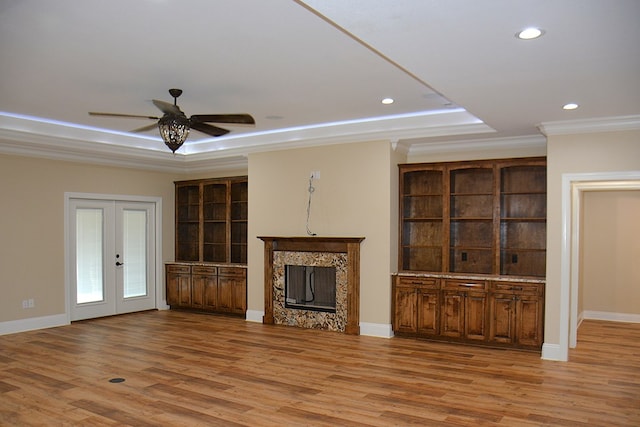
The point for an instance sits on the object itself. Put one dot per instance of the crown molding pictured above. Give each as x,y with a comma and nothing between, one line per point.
605,124
45,139
436,147
419,125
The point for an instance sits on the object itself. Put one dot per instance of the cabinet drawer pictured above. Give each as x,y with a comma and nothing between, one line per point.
425,282
462,285
201,269
231,271
517,288
178,269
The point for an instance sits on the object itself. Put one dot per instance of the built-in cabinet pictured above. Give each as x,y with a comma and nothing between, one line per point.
465,228
210,246
475,310
220,289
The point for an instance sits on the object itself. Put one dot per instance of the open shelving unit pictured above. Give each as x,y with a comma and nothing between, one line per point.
482,217
211,220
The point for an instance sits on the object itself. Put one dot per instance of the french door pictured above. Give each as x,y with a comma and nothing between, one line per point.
112,257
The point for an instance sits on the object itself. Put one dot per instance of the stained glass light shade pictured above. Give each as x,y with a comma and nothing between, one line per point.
174,130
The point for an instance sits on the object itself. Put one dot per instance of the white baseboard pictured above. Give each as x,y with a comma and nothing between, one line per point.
613,317
254,316
33,323
382,330
553,352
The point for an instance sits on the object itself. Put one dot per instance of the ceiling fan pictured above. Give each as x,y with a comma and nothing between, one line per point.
174,125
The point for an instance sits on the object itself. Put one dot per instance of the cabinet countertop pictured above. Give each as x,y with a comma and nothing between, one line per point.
207,264
463,276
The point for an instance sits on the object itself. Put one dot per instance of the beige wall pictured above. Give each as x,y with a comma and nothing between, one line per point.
610,252
32,227
577,154
356,196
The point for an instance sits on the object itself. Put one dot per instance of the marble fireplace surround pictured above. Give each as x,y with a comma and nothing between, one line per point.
340,252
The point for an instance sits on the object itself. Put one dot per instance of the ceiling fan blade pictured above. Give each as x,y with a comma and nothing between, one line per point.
134,116
145,128
243,119
208,129
167,107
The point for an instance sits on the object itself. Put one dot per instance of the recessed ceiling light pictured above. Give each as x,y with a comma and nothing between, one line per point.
387,101
529,33
570,106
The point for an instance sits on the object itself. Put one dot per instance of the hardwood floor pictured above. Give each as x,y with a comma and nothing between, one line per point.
193,369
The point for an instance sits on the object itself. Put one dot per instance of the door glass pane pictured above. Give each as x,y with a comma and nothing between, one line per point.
134,253
89,275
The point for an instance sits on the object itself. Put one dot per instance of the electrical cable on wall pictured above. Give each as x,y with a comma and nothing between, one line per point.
311,190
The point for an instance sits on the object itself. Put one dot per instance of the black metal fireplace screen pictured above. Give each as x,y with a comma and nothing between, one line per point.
310,288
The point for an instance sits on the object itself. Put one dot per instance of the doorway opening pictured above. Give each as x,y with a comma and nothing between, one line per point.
573,187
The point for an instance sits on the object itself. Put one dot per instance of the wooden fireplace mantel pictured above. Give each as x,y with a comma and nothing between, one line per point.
348,245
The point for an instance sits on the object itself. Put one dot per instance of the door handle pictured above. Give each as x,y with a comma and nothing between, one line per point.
118,263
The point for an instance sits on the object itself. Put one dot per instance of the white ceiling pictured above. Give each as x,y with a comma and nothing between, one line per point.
310,72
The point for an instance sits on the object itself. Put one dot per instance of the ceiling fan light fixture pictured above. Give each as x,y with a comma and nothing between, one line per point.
174,130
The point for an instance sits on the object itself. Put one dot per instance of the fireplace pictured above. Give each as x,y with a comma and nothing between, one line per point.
313,282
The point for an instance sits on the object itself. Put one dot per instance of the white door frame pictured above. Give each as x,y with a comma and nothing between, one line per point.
573,185
160,301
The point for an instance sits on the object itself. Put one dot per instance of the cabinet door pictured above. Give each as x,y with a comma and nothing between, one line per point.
201,281
231,294
173,288
211,293
197,290
529,323
452,314
184,290
428,311
475,316
232,290
405,300
178,283
225,293
239,297
204,291
503,318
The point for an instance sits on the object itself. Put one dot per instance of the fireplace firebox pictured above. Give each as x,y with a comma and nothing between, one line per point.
310,288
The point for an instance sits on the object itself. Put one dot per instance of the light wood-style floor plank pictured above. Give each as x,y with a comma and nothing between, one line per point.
195,369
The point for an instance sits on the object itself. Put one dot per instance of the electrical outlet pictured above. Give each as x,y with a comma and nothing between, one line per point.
25,303
28,303
315,174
